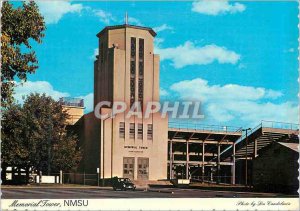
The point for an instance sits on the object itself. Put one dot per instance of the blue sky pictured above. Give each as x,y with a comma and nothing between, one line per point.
238,58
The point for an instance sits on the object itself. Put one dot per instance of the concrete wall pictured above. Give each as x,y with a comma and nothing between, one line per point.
88,130
276,169
75,113
154,149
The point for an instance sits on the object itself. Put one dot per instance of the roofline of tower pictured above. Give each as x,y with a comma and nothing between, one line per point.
151,31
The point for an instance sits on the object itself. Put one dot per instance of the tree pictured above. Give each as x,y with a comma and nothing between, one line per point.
20,26
34,135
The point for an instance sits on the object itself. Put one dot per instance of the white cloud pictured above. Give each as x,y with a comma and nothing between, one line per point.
163,92
134,21
200,89
53,11
216,7
232,102
22,90
158,41
105,17
162,28
242,66
95,53
88,102
189,54
290,50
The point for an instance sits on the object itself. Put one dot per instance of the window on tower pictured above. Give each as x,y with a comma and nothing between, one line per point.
122,129
141,72
133,46
132,70
141,69
140,131
150,132
140,93
132,91
141,48
132,130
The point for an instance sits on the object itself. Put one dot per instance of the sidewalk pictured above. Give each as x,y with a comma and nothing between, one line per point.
52,186
36,186
237,189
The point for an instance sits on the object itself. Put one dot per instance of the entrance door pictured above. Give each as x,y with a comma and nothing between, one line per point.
128,167
143,168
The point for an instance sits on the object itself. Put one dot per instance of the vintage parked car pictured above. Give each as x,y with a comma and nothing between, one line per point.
122,184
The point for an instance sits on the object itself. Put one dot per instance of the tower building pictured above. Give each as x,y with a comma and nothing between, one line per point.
125,70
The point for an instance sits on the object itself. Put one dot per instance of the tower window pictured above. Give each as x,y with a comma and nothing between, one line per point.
141,69
132,91
133,46
131,130
141,48
141,72
122,130
132,70
140,92
140,131
150,132
141,83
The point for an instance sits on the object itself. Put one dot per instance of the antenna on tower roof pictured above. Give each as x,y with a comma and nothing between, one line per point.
126,18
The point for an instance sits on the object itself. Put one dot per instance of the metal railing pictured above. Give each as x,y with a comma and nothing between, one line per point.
80,178
271,124
195,126
70,101
279,125
213,179
267,124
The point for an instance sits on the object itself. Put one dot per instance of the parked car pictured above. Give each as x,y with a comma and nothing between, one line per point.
122,184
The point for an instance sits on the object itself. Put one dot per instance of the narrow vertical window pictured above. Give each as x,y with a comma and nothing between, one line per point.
122,130
131,130
140,92
132,70
150,132
141,48
133,47
141,72
140,131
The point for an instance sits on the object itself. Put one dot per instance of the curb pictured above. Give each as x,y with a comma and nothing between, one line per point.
60,187
236,192
160,191
66,187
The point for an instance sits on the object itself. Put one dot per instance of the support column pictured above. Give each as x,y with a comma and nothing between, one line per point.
203,160
218,164
60,177
171,160
187,161
233,165
255,149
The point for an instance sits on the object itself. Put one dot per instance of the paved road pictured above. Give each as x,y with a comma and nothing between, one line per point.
89,193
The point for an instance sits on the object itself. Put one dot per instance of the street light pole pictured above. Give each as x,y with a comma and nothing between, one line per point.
246,182
246,164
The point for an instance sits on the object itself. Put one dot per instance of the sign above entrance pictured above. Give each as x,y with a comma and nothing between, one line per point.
135,147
